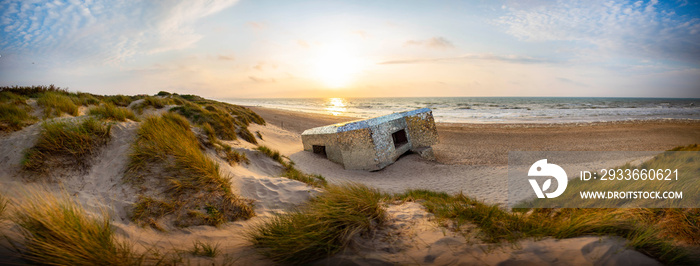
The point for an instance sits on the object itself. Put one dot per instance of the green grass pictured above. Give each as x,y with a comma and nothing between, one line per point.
84,99
191,189
111,112
274,154
257,134
230,155
290,171
55,104
671,235
58,231
685,158
156,102
324,226
66,144
32,91
119,100
640,227
205,249
10,97
228,121
15,116
222,124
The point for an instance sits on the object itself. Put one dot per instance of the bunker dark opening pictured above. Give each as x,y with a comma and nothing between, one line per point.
320,150
399,138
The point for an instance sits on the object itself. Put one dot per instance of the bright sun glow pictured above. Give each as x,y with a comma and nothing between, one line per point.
336,67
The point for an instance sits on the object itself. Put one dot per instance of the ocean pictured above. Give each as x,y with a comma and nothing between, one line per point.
496,109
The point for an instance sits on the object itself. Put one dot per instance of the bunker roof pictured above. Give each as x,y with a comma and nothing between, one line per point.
360,124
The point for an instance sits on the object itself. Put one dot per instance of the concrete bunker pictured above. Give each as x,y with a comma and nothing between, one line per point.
375,143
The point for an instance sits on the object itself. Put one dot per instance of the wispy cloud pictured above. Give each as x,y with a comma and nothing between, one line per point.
485,57
434,43
362,34
226,57
637,29
262,80
303,43
257,25
101,30
262,65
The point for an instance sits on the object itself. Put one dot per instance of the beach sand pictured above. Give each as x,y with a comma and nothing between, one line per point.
472,158
489,144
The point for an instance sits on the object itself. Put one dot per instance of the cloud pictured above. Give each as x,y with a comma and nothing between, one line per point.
225,58
260,66
485,57
262,80
633,29
101,30
434,43
573,82
362,34
303,43
257,25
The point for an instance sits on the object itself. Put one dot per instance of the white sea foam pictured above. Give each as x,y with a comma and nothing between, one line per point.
497,109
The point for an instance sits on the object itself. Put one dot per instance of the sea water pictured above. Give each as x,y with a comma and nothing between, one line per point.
496,109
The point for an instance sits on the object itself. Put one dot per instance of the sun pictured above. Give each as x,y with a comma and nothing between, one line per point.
336,67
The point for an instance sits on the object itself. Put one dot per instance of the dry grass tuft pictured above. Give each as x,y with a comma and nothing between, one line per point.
119,100
58,231
55,104
66,145
290,171
325,225
205,249
111,112
15,116
187,186
3,206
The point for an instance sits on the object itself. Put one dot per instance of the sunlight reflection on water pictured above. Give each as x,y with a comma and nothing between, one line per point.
336,106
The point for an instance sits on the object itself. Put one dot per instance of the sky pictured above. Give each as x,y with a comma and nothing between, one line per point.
282,49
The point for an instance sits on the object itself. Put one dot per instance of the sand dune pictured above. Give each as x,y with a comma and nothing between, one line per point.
412,236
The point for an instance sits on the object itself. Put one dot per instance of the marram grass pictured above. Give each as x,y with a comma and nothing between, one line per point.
111,112
15,116
3,206
66,144
290,171
58,231
189,186
324,226
55,104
